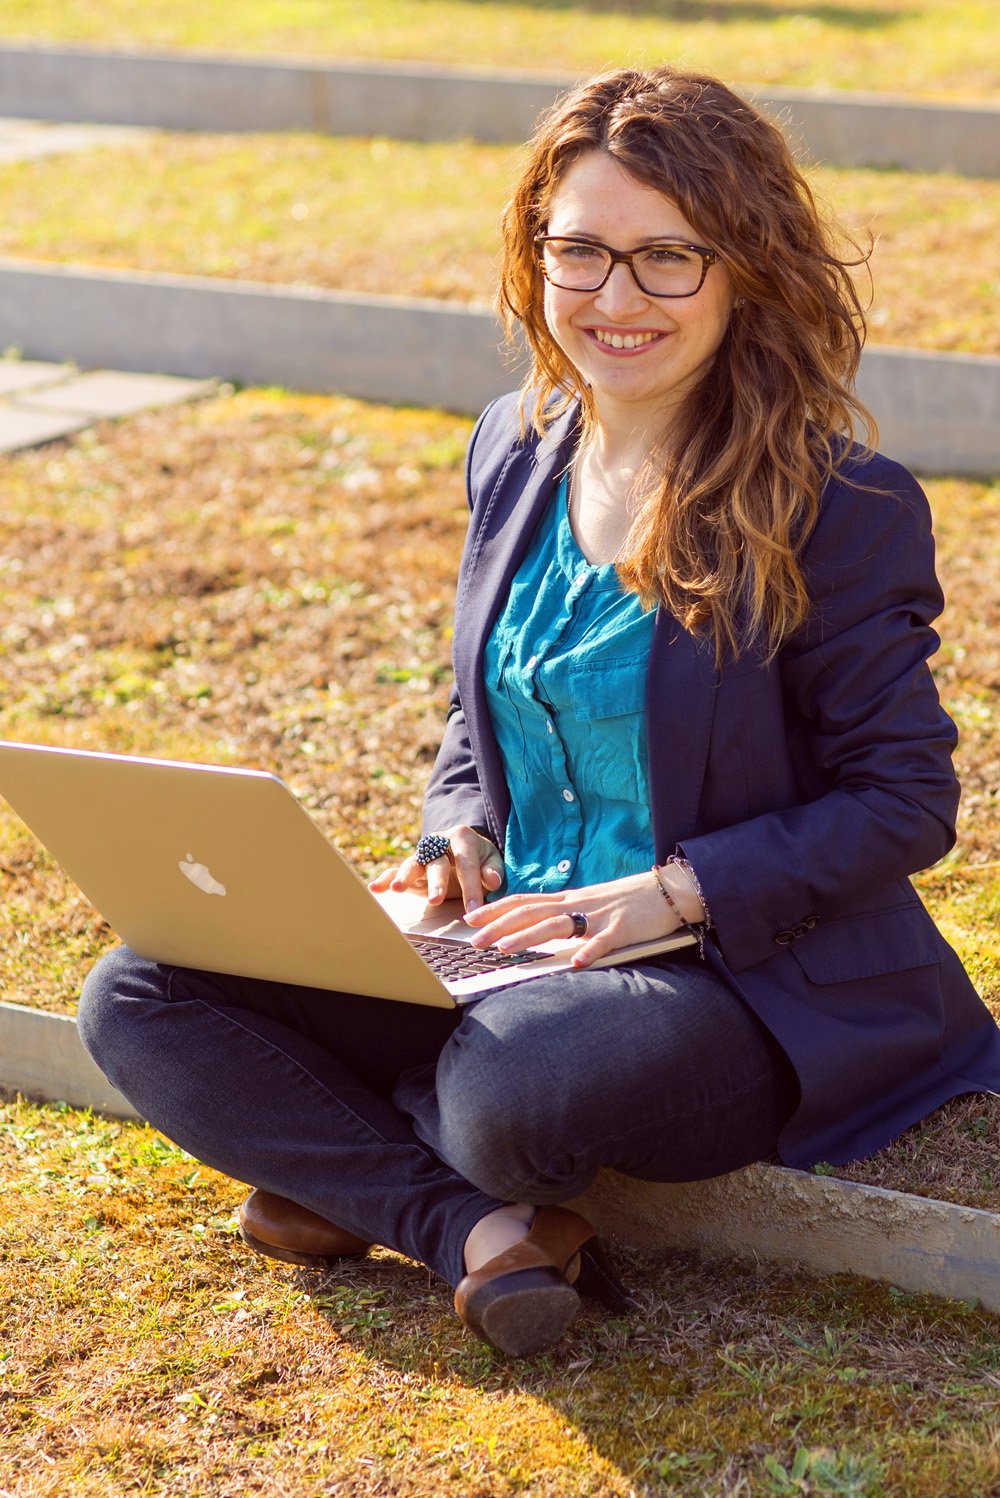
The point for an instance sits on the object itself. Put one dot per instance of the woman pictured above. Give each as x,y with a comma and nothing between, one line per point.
691,638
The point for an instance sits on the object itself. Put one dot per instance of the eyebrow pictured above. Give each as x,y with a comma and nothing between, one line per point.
643,243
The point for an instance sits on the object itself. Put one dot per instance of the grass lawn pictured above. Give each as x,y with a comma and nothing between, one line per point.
267,579
943,47
315,210
143,1349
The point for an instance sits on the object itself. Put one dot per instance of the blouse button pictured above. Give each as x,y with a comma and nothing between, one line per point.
564,865
532,663
548,725
568,795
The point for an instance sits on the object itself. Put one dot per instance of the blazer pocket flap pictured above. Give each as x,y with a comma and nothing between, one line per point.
865,946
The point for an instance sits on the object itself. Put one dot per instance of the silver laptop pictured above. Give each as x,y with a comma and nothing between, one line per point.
222,869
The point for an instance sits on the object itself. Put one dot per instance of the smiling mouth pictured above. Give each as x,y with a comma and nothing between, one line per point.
624,340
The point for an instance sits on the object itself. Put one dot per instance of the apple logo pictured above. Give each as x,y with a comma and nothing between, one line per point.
199,875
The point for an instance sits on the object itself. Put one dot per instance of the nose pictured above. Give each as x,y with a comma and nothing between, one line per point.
621,292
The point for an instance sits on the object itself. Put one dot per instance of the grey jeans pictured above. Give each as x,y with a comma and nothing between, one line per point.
406,1125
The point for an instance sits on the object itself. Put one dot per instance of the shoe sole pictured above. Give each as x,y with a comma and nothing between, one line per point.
523,1313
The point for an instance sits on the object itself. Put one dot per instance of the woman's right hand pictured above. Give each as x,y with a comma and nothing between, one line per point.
477,869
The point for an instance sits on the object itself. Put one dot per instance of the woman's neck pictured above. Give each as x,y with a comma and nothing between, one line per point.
602,496
624,434
615,451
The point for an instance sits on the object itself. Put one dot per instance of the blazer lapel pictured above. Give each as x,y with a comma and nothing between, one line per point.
505,522
680,701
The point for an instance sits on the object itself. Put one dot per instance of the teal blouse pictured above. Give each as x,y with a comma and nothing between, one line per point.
565,670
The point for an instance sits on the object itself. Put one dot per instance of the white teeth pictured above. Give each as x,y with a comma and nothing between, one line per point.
626,340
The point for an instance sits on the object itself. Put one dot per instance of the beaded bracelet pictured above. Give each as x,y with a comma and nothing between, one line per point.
697,932
683,863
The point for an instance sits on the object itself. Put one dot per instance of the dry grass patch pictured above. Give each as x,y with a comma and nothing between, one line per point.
946,47
403,219
144,1349
359,215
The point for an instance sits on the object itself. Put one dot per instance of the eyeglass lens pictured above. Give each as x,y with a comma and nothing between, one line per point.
662,270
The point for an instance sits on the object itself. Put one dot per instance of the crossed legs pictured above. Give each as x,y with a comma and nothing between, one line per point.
412,1127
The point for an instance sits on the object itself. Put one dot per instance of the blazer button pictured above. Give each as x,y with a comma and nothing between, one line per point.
784,938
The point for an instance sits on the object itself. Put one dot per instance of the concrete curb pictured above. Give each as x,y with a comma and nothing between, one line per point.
197,91
42,1056
376,348
886,130
937,412
824,1224
827,1225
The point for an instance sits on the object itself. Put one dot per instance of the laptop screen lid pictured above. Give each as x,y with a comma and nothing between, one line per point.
210,867
222,869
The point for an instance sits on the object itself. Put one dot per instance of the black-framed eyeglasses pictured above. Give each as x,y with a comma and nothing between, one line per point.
662,269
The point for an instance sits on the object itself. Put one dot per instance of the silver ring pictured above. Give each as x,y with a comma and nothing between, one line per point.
581,925
431,847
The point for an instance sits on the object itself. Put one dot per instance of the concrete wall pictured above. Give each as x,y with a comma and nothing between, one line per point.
939,413
411,101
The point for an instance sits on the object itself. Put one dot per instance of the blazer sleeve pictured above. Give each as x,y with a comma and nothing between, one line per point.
858,689
454,793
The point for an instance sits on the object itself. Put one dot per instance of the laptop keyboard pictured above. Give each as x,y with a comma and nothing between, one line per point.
450,960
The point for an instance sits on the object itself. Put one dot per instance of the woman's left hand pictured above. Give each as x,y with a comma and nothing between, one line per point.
619,912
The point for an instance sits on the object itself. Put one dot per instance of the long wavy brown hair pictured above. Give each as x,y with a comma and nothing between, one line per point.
733,491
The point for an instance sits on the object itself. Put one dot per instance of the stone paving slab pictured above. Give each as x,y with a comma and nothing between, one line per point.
105,393
42,401
26,140
22,428
27,374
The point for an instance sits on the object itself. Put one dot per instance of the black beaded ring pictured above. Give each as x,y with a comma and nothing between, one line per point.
581,925
431,847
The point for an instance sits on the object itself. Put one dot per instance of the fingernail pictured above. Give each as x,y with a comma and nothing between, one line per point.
472,905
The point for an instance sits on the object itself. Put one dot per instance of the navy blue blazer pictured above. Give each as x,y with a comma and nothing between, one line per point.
803,792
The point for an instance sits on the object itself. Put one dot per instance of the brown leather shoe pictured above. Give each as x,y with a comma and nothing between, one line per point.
521,1301
282,1229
